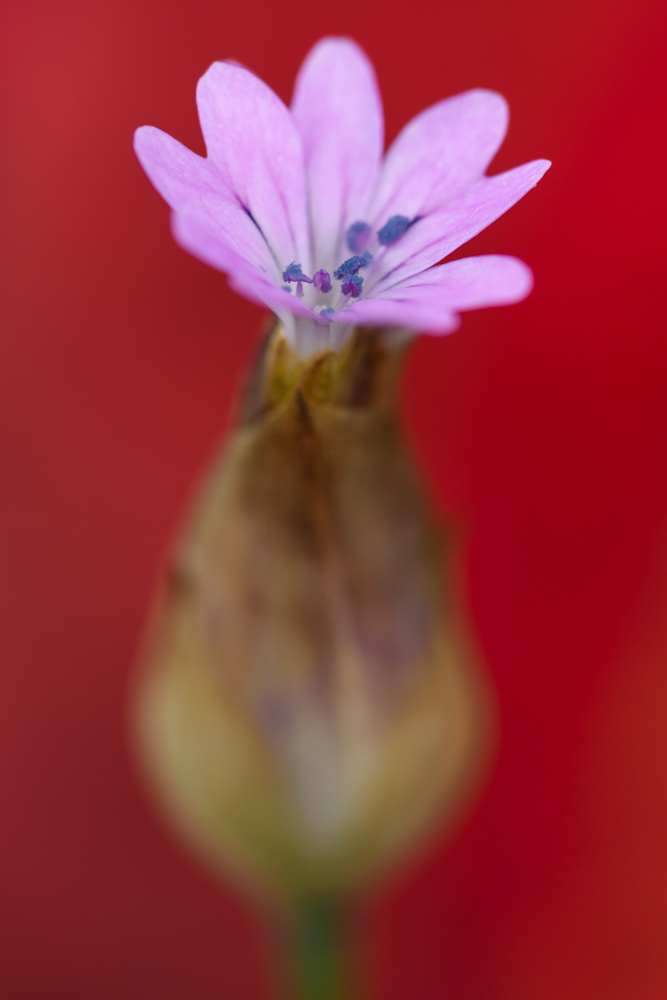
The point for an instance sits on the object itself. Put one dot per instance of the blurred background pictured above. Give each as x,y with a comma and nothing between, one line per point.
542,427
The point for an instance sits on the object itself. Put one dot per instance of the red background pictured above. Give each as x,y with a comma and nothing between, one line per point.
543,425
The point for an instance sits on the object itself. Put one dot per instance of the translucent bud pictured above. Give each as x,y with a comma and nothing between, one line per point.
306,711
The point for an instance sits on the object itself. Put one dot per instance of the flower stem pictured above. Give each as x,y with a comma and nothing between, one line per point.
318,946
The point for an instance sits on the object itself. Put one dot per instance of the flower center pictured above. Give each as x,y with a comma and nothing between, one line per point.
357,239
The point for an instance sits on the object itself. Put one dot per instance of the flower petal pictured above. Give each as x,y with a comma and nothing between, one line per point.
440,152
441,232
469,283
431,300
252,140
189,182
197,234
338,112
411,312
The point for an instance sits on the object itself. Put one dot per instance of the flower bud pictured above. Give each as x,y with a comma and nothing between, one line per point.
306,711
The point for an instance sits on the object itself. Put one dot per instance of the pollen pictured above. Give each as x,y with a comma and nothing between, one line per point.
349,267
393,229
357,236
293,272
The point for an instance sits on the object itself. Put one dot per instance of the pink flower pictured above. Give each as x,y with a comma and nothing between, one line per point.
300,210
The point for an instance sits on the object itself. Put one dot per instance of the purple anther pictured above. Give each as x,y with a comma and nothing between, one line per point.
286,288
394,228
322,281
349,266
327,315
357,236
352,286
293,272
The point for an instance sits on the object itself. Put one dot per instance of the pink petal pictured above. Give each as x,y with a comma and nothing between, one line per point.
412,312
430,300
252,140
438,153
201,237
441,232
189,183
469,283
338,112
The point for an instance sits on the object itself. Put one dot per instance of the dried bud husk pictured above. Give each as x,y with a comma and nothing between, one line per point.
306,710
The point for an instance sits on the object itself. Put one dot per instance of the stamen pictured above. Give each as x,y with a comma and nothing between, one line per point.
357,236
286,288
393,229
367,257
322,281
327,315
352,286
293,272
349,266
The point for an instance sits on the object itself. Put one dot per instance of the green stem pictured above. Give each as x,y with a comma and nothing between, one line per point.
318,952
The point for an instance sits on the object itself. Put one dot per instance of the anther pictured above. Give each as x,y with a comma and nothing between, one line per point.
349,266
357,236
393,229
352,286
322,281
293,272
327,315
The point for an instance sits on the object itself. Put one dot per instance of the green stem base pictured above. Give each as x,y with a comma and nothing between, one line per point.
318,953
